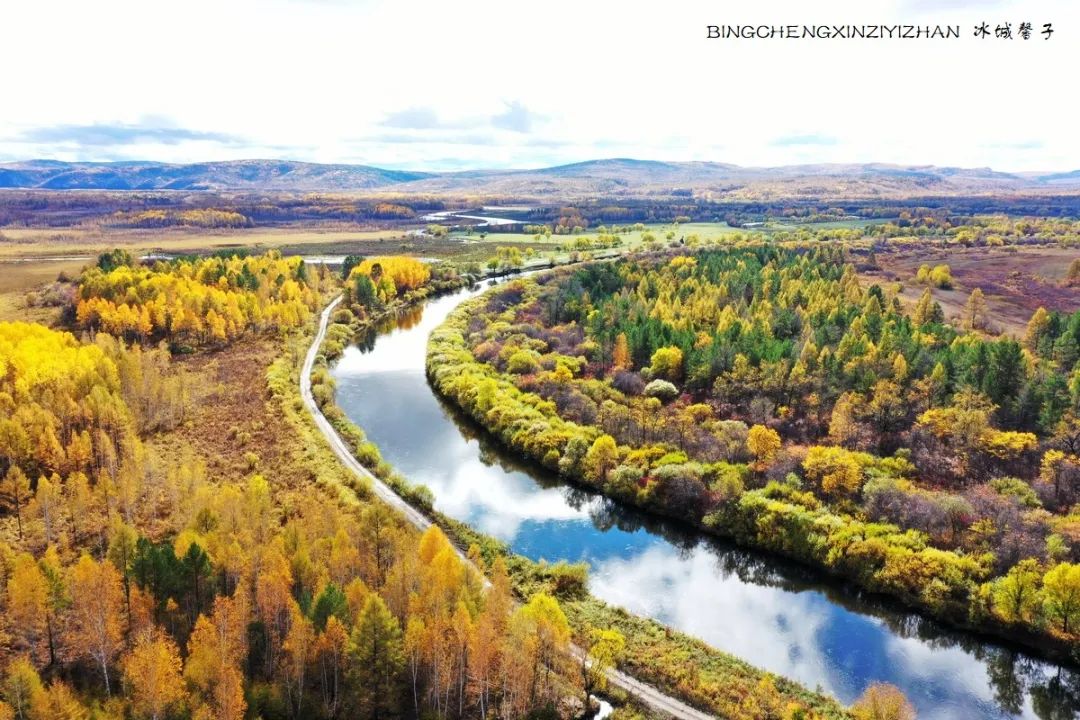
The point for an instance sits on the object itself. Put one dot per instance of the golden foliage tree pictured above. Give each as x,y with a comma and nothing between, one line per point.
1061,588
605,647
667,363
602,457
152,675
27,603
620,358
837,470
974,316
764,444
97,605
23,691
881,701
1036,329
403,273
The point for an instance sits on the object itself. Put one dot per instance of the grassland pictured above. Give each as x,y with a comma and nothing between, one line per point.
473,247
664,233
1015,280
18,278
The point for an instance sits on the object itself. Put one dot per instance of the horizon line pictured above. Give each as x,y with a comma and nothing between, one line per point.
395,168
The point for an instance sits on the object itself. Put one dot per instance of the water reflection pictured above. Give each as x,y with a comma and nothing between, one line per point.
771,613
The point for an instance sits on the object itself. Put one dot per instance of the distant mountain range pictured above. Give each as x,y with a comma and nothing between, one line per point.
230,175
619,176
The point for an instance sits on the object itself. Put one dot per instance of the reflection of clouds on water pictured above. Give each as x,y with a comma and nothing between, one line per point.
387,363
765,626
945,682
495,501
404,348
399,351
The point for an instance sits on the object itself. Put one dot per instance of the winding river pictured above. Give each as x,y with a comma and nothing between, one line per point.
771,613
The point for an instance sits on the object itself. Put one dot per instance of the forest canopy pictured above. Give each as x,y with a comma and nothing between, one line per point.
197,301
73,414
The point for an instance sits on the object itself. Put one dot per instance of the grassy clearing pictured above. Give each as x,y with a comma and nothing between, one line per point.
22,276
18,278
1016,280
473,248
788,226
476,248
703,230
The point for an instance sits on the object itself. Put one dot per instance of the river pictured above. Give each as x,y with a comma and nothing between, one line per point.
776,615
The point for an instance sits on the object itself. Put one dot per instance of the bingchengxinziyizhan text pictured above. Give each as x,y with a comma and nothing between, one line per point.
983,30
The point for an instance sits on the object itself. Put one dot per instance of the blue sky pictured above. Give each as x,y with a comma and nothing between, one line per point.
486,83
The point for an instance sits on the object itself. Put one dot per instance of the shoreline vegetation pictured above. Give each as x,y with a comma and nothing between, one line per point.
768,512
721,683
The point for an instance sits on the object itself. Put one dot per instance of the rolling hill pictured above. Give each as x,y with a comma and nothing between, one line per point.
618,176
231,175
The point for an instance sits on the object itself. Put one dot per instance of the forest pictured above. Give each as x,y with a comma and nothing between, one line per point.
196,301
768,395
142,577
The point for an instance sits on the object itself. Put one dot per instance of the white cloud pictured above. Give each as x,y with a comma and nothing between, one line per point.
490,83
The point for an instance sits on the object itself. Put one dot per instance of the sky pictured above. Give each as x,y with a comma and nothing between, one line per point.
432,85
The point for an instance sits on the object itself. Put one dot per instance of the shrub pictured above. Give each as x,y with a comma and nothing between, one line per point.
662,390
628,383
523,362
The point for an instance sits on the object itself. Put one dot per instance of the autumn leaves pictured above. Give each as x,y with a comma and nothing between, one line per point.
205,301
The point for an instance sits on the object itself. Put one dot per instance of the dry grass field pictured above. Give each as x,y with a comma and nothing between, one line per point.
66,242
18,278
230,417
1016,280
